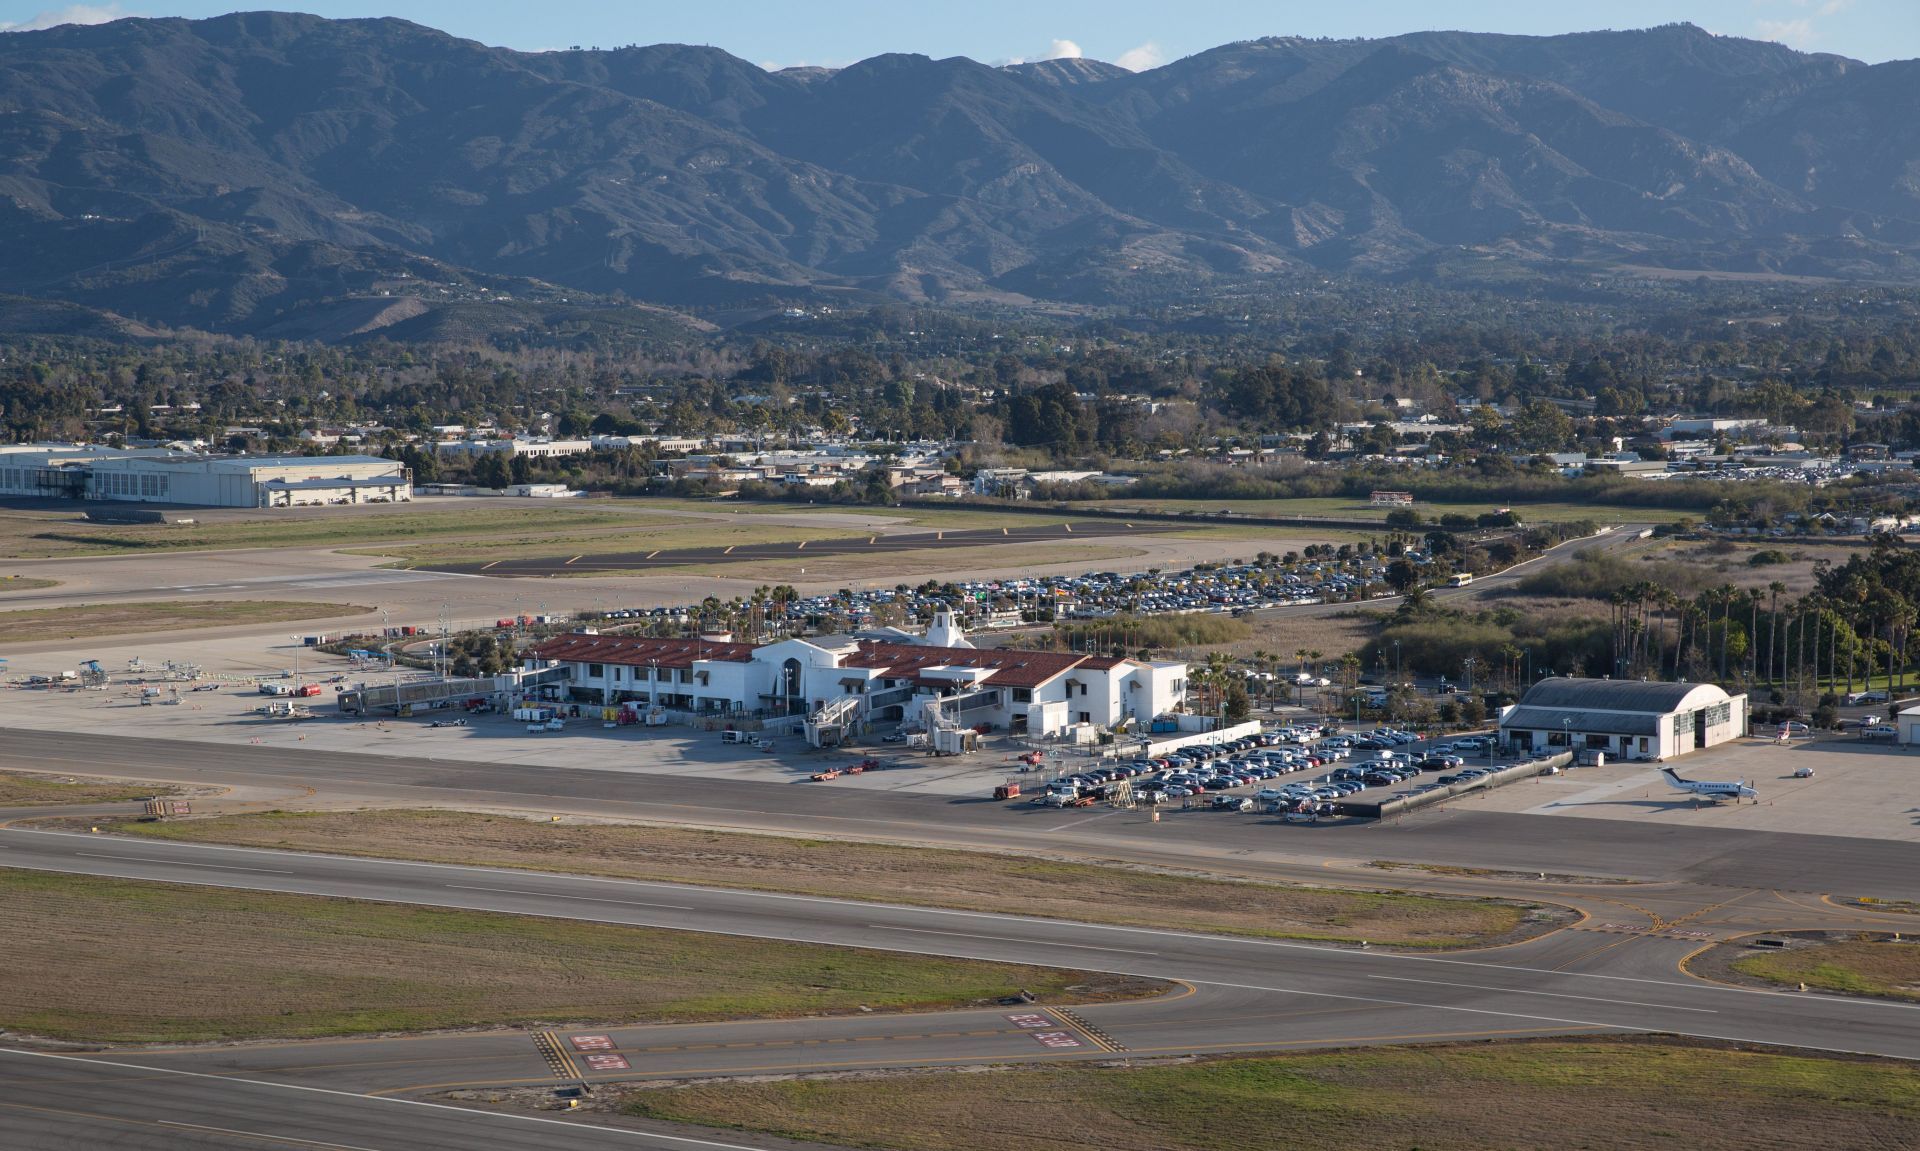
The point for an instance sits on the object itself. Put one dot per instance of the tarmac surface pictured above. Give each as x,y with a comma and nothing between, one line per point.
877,544
1455,834
1616,970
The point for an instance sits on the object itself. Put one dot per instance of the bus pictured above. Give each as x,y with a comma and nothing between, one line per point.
1460,579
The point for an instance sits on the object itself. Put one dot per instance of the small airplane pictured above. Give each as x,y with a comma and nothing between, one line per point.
1736,790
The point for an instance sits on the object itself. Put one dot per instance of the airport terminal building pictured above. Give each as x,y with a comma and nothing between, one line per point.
161,476
1629,719
869,681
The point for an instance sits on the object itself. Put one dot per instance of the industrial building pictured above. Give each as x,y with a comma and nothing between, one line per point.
1630,719
845,681
91,472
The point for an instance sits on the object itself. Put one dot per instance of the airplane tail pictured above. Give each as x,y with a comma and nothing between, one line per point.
1673,777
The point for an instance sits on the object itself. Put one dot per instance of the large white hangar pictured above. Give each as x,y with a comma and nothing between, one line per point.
1630,719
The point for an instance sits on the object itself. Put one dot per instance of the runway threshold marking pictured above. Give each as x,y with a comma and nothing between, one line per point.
557,895
1008,939
1093,1034
1551,994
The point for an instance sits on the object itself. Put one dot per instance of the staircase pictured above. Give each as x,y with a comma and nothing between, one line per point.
827,727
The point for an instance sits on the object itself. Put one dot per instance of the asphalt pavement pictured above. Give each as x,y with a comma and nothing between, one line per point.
1243,988
59,1102
1457,836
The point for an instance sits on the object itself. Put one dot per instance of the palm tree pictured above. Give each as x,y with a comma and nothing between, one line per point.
1773,626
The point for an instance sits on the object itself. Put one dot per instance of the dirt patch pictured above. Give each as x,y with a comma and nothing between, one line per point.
129,961
921,876
83,621
22,789
1554,877
1605,1093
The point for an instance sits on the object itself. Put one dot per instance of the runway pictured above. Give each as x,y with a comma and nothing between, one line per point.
1456,836
877,544
52,1102
1248,993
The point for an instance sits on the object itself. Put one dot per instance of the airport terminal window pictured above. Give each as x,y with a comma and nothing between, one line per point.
1023,695
595,671
1683,723
1719,713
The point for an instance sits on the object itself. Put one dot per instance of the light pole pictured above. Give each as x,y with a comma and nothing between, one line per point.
297,645
1566,733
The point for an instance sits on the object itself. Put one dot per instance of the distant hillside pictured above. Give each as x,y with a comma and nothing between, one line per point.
276,173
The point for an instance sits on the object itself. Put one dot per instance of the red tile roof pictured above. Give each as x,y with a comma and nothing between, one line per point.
1012,666
640,651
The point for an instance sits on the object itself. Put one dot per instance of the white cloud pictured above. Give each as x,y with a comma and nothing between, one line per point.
1792,33
72,14
1148,55
1062,50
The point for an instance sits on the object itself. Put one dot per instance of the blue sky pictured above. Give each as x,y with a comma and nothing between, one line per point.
1135,33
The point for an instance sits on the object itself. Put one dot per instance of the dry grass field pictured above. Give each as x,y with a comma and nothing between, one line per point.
922,876
1630,1095
83,621
1858,967
914,565
126,961
18,790
10,583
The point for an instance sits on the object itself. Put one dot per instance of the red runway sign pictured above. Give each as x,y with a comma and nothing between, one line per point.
1055,1039
1031,1022
590,1042
606,1062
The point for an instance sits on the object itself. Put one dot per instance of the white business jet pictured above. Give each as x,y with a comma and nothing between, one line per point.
1737,790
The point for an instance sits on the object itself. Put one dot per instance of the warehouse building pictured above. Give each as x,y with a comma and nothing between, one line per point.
1630,719
89,472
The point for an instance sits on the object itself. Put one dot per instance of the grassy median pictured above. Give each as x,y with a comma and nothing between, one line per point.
1856,967
923,876
1625,1094
130,961
84,621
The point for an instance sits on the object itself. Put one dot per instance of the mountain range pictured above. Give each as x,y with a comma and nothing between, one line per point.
281,174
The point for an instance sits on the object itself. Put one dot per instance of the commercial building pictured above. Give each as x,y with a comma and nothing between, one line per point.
856,681
1630,719
88,472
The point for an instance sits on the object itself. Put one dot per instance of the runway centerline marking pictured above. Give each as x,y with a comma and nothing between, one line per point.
262,1135
1008,939
179,863
584,898
1552,994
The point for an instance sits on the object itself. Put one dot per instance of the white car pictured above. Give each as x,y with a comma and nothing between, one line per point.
1803,772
